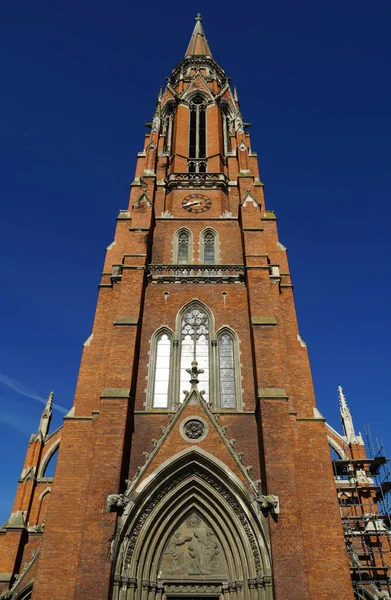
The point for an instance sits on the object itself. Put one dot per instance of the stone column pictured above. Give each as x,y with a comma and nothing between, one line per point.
132,585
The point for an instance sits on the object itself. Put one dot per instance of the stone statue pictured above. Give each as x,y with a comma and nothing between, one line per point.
193,550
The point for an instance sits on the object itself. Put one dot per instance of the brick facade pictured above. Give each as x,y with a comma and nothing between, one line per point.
113,444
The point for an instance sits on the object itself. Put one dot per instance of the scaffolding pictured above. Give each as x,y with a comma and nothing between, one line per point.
363,487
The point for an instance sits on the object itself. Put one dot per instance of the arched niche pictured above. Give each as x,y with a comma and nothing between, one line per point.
191,528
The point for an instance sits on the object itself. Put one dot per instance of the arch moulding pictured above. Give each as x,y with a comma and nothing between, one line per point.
191,527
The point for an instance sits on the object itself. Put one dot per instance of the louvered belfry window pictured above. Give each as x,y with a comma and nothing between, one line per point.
197,135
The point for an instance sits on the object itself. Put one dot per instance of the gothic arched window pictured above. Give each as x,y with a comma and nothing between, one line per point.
183,247
195,346
172,354
197,135
227,371
226,125
160,369
168,119
209,247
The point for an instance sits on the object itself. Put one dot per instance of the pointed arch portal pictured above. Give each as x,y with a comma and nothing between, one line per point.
191,528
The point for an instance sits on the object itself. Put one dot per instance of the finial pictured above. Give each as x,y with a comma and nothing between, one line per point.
194,372
347,421
46,417
342,399
198,17
50,400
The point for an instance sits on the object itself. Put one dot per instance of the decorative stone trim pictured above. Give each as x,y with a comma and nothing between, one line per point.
252,228
125,321
192,588
264,320
196,273
197,181
115,393
272,394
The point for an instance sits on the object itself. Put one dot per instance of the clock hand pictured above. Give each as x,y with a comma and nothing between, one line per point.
191,203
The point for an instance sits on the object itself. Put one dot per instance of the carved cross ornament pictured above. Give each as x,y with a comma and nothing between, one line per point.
194,372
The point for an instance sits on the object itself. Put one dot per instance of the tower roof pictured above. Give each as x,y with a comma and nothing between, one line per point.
198,44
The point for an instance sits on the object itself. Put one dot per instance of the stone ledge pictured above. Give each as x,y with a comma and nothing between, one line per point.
269,215
252,228
272,394
263,320
316,419
124,215
256,255
125,321
81,418
5,577
115,393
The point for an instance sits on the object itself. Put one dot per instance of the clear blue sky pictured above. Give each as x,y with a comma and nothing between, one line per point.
79,79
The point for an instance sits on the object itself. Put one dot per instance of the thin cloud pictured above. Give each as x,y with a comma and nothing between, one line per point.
19,388
16,423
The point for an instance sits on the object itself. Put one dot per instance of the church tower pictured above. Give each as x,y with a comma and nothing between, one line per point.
194,461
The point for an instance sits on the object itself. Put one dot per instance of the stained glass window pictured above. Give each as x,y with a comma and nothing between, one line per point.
183,248
162,371
227,371
209,248
195,346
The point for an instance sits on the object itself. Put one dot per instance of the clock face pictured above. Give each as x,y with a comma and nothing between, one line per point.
196,203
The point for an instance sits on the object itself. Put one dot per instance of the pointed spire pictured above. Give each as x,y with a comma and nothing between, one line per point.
346,417
46,417
198,44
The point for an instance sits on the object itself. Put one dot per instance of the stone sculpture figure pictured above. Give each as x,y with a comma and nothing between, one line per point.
173,555
193,550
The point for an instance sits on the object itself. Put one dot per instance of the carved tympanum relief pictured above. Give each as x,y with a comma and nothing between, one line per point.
194,550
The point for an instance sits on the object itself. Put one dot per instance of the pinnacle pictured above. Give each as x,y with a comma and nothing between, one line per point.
198,44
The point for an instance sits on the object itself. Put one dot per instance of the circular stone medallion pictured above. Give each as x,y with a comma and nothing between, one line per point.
194,429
